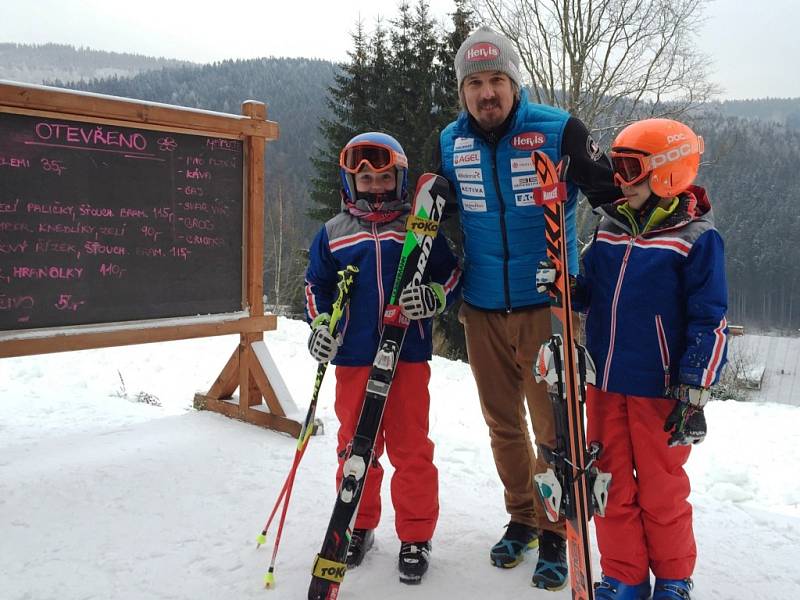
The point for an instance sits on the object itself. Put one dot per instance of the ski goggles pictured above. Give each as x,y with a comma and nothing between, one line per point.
377,157
630,168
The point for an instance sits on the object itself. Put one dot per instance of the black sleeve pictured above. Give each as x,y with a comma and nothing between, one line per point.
589,167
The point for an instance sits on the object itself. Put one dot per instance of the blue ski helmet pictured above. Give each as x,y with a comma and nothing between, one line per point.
378,150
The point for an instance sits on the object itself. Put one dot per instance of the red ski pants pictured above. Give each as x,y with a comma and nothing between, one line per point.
404,434
648,522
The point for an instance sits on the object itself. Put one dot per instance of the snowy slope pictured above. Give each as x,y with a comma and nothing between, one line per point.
104,498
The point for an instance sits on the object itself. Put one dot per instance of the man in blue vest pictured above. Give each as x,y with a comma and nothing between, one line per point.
486,155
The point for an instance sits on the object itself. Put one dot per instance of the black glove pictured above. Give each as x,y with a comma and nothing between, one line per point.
686,422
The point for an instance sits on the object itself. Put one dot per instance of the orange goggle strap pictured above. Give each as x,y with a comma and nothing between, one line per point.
377,157
631,168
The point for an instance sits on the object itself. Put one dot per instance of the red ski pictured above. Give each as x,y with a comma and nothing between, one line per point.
572,488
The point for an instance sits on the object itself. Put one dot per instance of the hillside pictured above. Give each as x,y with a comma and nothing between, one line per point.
51,62
785,111
294,90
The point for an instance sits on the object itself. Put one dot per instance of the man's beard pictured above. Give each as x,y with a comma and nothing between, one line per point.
489,122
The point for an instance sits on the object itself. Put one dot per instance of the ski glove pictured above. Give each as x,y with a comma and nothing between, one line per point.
422,301
546,278
686,422
322,345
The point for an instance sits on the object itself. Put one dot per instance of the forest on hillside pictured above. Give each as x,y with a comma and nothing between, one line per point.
41,63
783,111
750,170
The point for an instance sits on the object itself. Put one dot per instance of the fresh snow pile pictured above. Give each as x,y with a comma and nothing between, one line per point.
103,497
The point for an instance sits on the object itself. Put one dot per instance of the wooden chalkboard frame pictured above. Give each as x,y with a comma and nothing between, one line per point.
246,368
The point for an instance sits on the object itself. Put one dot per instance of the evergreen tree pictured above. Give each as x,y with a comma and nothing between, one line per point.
448,333
349,100
401,82
427,120
381,73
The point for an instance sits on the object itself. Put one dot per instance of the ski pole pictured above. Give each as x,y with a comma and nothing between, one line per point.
345,280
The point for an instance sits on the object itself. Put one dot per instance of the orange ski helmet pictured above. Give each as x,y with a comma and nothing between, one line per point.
665,150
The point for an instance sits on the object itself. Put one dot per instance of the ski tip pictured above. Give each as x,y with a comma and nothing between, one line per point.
547,172
545,169
433,183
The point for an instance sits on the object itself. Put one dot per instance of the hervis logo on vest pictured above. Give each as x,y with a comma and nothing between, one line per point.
530,140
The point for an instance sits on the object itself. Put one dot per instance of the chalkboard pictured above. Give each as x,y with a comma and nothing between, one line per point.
101,223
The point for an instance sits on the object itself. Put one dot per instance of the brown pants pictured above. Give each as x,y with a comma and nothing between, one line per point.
502,348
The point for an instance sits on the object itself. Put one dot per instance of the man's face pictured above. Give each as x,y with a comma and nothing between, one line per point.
489,97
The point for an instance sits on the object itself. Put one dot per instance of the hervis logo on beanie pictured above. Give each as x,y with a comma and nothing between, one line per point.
486,50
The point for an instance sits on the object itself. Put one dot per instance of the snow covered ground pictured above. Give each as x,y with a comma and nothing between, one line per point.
105,498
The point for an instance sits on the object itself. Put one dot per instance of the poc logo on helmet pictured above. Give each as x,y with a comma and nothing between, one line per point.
656,160
676,137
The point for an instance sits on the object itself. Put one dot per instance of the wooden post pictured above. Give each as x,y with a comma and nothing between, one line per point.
254,386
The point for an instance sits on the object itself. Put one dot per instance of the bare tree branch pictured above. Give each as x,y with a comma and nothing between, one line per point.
608,62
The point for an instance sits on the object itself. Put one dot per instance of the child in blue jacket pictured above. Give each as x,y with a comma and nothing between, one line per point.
369,234
655,292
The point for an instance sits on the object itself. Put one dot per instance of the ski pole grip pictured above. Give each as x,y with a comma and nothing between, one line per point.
345,279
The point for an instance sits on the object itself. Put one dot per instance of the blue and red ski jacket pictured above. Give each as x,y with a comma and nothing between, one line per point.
375,249
656,301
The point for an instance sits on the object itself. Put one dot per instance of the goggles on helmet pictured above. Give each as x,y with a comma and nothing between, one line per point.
376,156
630,168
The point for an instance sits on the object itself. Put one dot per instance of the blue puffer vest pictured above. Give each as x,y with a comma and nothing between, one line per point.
503,229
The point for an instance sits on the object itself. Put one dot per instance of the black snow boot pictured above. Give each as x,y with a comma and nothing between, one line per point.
551,568
511,549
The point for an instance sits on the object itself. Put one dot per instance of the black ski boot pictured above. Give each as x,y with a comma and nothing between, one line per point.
360,543
516,541
551,569
413,561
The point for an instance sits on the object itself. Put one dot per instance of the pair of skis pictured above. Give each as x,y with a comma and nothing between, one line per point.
572,487
422,225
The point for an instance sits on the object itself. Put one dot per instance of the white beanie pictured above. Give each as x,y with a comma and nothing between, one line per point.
486,50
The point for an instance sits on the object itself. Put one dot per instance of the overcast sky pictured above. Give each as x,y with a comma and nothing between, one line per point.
754,45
